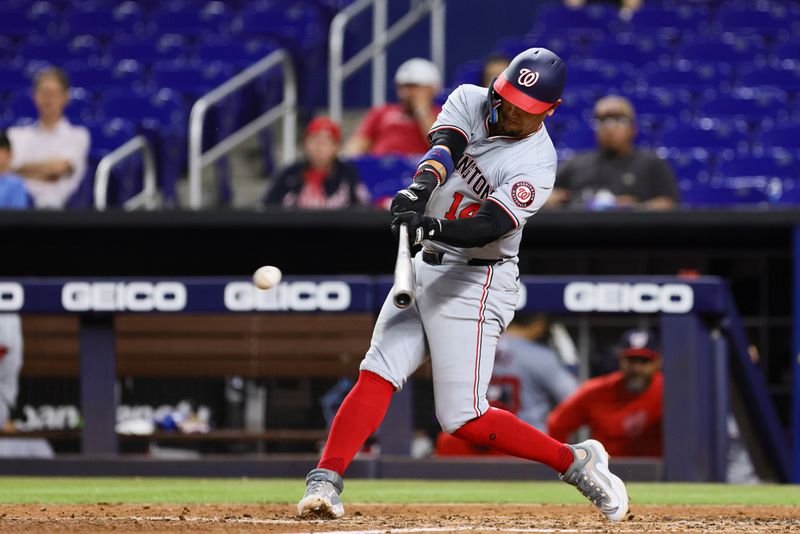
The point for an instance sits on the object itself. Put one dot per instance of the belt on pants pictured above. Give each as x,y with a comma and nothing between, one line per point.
435,258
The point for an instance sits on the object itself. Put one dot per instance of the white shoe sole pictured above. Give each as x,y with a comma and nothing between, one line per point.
617,484
318,508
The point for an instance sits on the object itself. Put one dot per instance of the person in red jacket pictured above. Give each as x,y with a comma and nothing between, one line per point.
623,409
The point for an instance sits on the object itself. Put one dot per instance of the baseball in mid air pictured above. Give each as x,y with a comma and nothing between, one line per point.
267,277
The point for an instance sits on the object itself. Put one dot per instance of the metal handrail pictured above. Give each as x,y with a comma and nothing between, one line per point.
339,71
286,110
148,198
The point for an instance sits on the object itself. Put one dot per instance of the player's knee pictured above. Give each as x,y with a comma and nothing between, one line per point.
452,419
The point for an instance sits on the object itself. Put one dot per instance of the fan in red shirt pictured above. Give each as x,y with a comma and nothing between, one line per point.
401,128
623,409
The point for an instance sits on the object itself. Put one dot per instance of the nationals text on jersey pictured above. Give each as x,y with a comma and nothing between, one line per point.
473,177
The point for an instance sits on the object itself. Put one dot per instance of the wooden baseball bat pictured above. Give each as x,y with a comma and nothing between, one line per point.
403,292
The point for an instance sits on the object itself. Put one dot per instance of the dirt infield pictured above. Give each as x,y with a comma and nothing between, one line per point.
381,519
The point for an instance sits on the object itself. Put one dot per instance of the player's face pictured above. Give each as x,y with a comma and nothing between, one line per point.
515,122
50,98
638,372
320,149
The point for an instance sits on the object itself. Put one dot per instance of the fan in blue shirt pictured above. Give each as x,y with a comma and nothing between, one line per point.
13,194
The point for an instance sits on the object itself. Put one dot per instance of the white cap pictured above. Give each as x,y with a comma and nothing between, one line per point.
418,71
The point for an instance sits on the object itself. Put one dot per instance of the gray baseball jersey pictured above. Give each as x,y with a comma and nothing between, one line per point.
460,310
10,362
529,380
515,173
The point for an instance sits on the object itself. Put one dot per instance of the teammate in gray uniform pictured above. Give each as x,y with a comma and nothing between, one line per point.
10,363
490,167
530,376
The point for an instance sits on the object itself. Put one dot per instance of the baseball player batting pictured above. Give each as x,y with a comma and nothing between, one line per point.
490,167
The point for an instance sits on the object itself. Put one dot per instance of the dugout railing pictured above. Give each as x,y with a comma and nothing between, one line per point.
704,350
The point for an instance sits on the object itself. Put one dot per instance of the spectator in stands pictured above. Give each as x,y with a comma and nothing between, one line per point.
402,128
13,194
623,409
528,380
320,180
616,174
626,7
492,67
50,154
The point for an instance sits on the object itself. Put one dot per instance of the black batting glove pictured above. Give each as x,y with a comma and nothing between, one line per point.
410,199
419,226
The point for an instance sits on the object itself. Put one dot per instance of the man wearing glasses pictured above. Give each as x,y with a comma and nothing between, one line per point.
616,174
624,409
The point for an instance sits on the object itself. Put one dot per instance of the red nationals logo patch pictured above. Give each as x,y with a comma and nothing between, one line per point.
522,193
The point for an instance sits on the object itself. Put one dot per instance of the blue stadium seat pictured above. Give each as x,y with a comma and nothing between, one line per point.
693,76
213,19
708,135
101,78
17,24
149,50
600,75
691,166
589,17
84,48
676,18
297,26
758,111
787,51
720,194
468,72
765,166
126,177
162,117
385,175
234,52
637,55
13,79
784,136
104,22
109,135
192,79
752,20
710,50
785,77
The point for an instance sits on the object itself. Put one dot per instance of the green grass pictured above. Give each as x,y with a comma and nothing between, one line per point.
180,490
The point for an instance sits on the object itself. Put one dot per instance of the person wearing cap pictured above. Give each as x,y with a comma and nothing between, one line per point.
490,167
320,180
13,194
401,128
51,154
617,173
623,409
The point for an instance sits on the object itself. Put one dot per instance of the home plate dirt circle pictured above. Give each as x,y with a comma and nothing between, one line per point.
395,518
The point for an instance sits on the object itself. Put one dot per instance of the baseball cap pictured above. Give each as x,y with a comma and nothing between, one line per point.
641,343
418,71
324,124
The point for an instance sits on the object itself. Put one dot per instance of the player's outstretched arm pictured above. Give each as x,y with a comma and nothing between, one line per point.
489,224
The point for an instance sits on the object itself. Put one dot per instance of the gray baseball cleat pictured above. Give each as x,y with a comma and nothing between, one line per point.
589,473
321,500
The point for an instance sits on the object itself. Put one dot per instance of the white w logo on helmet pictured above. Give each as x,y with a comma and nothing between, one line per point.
527,77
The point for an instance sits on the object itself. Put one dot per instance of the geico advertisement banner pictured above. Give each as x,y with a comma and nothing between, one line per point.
346,294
